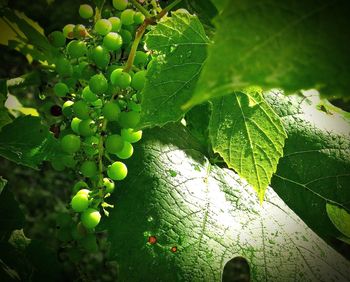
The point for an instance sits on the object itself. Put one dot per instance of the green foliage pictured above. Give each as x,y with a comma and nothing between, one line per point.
249,136
211,216
180,43
26,141
293,46
340,218
315,167
4,116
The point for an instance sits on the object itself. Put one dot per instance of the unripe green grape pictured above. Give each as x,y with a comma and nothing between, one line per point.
80,184
138,80
63,67
88,95
57,164
75,124
97,104
114,143
68,31
86,11
63,219
126,35
116,24
83,191
91,145
80,202
120,4
141,58
111,68
70,143
80,31
57,39
87,128
120,78
109,185
88,168
111,111
69,161
139,18
128,134
89,243
100,56
117,171
127,17
113,41
129,119
61,89
126,152
76,49
90,218
98,84
81,110
103,26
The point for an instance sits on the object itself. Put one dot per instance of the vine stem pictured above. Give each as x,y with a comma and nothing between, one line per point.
141,8
142,28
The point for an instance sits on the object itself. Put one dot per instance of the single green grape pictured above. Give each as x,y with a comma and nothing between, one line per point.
90,218
129,119
98,84
141,58
114,143
113,41
61,89
91,145
80,31
109,185
69,161
126,152
117,171
97,104
89,243
127,17
88,95
111,68
130,135
120,4
86,11
103,26
83,191
57,165
111,111
80,184
116,24
81,109
126,35
100,56
76,49
138,80
68,31
87,128
120,78
139,18
75,124
80,202
88,168
57,39
63,67
70,143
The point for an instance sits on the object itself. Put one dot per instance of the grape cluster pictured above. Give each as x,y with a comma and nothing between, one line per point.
98,108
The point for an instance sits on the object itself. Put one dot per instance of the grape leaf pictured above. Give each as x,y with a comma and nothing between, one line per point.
180,43
249,136
26,141
340,218
291,45
199,216
4,116
315,168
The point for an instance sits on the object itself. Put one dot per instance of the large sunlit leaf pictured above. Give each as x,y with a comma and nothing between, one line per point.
315,168
249,136
291,45
180,43
200,216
